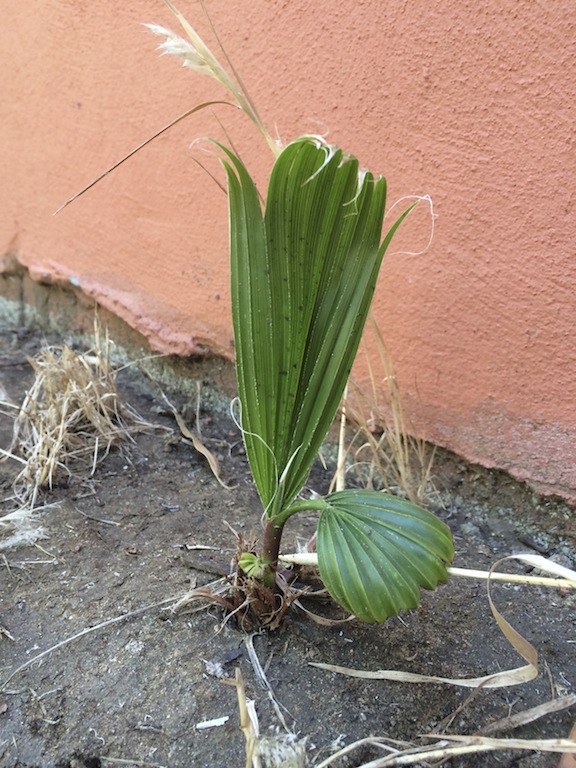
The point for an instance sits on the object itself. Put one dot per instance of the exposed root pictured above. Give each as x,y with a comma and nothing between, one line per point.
249,603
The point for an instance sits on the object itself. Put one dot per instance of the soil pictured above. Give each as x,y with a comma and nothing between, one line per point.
133,692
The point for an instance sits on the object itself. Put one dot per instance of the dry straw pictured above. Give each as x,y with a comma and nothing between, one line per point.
70,418
383,453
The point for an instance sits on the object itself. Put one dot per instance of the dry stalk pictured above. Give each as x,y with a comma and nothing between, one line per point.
385,455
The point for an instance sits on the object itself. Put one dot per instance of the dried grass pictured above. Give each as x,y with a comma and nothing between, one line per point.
443,750
69,420
383,452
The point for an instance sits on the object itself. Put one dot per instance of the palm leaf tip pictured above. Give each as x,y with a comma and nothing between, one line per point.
375,552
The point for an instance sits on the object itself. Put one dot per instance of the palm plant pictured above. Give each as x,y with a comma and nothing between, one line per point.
303,272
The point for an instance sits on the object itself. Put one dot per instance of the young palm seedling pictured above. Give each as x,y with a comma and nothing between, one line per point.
303,272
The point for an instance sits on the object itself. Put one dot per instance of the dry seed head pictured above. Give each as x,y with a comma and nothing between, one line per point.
197,57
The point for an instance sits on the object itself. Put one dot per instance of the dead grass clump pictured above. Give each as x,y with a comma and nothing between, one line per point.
69,420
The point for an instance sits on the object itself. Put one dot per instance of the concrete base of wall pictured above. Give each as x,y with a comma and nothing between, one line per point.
65,313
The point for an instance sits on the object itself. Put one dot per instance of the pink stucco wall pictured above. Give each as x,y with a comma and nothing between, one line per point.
471,103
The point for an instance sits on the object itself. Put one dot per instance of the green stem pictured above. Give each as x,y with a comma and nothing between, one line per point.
275,525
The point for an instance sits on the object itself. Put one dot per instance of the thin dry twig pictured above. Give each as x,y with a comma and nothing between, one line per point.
443,749
172,123
263,680
78,635
385,455
497,680
310,559
529,715
123,761
199,446
248,721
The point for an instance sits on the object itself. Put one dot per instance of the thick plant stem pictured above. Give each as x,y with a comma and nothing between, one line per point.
275,525
271,543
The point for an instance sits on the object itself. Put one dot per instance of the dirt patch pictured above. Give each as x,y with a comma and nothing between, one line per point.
134,691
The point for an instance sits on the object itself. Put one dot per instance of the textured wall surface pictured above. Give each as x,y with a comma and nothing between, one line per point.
470,103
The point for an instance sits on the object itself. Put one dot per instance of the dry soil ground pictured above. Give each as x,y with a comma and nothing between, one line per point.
133,692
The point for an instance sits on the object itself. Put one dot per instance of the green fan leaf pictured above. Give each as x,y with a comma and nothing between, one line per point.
303,274
375,552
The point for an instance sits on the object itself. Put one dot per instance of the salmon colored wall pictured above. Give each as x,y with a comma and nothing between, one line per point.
471,103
